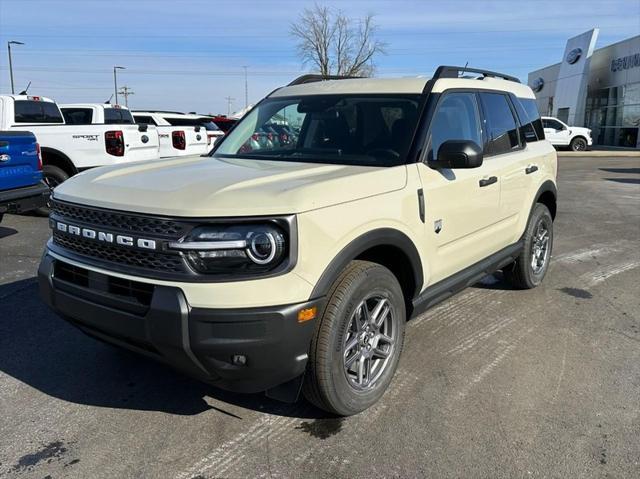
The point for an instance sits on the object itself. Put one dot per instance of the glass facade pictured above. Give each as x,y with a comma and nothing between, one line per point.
613,115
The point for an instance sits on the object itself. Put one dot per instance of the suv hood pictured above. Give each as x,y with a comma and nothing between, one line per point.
205,186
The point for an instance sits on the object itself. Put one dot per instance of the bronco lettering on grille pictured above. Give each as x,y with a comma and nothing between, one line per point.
105,237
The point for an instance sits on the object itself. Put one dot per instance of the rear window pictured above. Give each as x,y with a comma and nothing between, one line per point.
502,127
77,116
117,116
531,116
31,111
145,120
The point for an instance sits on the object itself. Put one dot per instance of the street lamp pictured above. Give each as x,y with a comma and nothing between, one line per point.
115,81
9,43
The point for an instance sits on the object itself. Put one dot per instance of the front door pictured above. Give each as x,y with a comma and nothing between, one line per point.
461,204
555,132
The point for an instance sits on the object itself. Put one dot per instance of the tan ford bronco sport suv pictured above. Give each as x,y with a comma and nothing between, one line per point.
291,258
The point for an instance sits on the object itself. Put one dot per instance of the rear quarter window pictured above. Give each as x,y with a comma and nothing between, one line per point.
32,111
145,120
532,116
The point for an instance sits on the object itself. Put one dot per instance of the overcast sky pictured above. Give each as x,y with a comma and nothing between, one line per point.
188,54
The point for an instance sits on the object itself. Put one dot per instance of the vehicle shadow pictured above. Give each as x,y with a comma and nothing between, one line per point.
5,232
633,171
43,351
631,181
493,281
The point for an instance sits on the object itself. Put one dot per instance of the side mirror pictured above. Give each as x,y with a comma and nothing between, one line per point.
458,154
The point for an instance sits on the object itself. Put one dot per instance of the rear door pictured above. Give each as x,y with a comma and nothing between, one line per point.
19,162
460,204
507,149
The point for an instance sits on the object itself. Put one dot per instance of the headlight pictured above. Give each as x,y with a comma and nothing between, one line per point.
235,249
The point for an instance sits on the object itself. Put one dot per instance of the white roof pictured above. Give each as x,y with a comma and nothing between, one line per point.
92,105
29,97
401,85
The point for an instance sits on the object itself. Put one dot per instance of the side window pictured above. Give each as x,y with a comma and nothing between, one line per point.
456,118
552,124
527,129
502,129
533,115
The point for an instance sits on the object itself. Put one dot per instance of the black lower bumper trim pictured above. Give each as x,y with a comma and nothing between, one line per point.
243,350
24,199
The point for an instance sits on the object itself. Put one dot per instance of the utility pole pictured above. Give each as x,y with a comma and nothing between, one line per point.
115,81
229,101
125,91
9,43
246,88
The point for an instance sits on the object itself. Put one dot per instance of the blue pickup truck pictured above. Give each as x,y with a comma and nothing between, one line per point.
21,185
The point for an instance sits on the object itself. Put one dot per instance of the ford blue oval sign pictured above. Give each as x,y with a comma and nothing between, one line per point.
537,84
574,55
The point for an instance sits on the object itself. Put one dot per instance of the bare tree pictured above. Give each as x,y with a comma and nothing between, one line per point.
335,44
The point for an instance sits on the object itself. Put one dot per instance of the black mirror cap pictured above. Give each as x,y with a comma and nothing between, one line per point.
458,154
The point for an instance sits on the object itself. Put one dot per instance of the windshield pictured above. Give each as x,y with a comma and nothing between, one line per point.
369,130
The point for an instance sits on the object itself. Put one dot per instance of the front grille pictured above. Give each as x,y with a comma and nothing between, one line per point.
138,224
119,287
153,261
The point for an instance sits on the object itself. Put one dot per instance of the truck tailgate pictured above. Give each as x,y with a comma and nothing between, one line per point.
140,145
19,163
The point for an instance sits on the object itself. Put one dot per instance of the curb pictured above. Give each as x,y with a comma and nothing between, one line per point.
601,154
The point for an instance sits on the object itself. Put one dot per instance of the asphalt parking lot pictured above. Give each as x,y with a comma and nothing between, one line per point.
492,383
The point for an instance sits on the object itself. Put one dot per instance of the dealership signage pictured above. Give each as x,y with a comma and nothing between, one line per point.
574,55
625,63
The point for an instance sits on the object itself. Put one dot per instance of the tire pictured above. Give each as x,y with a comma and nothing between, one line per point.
329,383
53,176
522,274
578,144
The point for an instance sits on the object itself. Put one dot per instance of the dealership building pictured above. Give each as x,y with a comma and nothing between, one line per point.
598,89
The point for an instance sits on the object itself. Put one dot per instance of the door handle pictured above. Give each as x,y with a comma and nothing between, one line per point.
530,169
488,181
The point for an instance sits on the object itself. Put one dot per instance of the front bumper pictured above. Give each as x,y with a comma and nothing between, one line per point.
24,199
157,321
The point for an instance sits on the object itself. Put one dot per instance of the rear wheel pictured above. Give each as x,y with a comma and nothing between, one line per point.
52,176
532,264
578,144
357,344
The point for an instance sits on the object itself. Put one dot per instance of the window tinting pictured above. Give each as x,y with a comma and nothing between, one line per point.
117,116
551,123
145,120
352,129
456,118
77,116
183,121
502,129
28,111
533,115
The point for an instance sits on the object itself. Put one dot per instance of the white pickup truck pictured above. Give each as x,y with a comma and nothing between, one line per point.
70,148
179,136
560,134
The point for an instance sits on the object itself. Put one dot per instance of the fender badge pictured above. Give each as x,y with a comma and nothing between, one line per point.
437,226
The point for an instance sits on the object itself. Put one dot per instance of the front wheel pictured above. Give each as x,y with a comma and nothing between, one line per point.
532,264
358,340
578,144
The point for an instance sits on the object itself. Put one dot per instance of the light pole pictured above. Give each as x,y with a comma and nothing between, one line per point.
115,81
9,43
246,88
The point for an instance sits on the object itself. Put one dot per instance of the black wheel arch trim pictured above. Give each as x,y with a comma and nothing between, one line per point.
61,155
371,239
546,187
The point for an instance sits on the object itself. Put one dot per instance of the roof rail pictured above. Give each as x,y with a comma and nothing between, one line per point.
314,77
445,71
